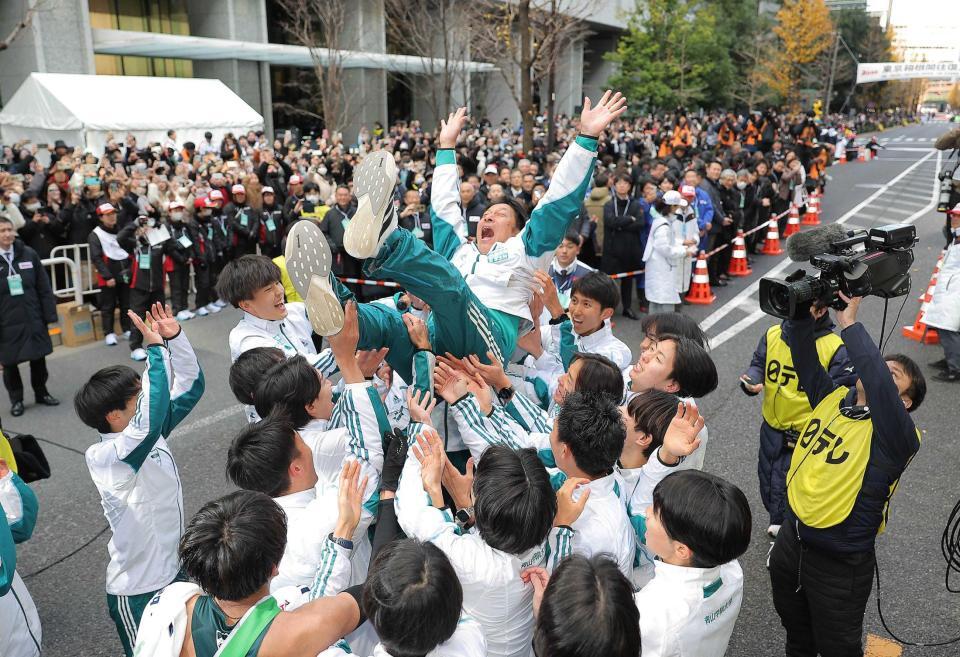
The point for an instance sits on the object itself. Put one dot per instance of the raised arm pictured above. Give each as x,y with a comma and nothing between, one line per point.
803,349
449,227
187,378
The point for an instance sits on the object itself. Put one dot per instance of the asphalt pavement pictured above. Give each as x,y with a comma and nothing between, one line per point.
64,563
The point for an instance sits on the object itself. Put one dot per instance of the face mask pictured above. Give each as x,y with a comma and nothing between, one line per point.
177,216
33,207
14,198
313,198
322,171
380,385
140,166
741,185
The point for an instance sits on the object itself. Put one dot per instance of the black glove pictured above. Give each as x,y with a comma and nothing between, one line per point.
394,457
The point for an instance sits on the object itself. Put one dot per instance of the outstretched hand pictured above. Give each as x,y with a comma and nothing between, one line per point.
681,437
451,128
147,328
349,500
593,120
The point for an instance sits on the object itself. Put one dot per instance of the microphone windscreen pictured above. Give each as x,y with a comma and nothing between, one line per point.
949,141
802,246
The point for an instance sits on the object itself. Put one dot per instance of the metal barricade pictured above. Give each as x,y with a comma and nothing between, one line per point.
70,290
79,278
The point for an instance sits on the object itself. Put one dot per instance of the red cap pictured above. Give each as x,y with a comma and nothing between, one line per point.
688,191
238,189
295,179
955,210
105,208
199,202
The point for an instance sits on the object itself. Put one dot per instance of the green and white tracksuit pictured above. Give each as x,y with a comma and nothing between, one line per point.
139,484
478,302
20,633
493,593
312,513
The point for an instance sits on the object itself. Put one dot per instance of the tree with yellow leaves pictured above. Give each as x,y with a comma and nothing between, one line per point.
953,98
804,30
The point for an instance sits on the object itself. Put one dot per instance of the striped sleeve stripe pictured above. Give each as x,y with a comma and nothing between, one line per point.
473,419
328,557
534,413
504,428
480,322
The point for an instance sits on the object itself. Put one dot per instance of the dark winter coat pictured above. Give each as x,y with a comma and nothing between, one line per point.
623,226
24,318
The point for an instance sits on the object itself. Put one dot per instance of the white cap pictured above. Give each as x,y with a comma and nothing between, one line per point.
491,168
673,198
267,190
295,179
238,189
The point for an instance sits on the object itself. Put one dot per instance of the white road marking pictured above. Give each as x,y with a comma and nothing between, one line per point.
204,422
751,289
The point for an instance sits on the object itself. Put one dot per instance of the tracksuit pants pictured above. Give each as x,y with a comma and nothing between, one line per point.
459,323
820,595
126,612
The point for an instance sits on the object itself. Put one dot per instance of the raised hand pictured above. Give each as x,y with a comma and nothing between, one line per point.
451,384
548,294
429,451
593,120
345,342
5,469
568,509
538,578
417,330
451,128
681,437
481,390
349,500
420,404
493,373
460,486
164,321
150,335
370,360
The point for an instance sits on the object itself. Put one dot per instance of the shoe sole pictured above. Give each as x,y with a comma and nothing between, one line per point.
307,255
374,181
323,307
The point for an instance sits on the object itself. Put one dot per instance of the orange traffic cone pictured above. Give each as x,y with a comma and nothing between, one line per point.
928,295
920,331
738,261
700,293
793,222
843,156
771,245
812,216
862,154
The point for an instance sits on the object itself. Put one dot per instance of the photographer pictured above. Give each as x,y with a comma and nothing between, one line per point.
944,310
844,470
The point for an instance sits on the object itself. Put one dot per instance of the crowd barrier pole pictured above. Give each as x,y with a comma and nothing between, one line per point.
74,290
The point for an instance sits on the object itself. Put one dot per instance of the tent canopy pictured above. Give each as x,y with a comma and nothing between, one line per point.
82,109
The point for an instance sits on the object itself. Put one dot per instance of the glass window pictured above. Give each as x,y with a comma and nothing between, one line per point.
157,16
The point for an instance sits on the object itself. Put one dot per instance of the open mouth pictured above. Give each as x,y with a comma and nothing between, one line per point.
486,233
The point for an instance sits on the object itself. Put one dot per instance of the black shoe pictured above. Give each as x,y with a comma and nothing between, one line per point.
629,314
17,409
48,400
939,364
720,283
948,376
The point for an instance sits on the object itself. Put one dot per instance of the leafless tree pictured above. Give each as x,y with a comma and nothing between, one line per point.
320,26
526,40
437,32
24,23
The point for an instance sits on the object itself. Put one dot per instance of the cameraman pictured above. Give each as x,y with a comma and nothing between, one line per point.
844,470
785,405
943,313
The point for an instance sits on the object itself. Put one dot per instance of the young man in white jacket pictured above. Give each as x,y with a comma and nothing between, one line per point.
133,467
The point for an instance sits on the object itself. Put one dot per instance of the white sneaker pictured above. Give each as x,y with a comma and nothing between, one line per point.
111,339
185,315
212,307
202,311
138,354
374,180
773,530
323,307
307,255
126,335
220,303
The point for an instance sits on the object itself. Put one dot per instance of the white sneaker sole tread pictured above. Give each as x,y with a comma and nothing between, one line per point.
307,255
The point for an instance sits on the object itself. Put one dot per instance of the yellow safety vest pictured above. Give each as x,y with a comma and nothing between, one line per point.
6,452
785,404
289,291
828,465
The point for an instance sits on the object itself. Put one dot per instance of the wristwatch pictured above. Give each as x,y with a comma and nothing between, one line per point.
342,542
464,518
505,394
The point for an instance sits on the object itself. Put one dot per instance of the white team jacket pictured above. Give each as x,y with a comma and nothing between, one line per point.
292,334
20,631
137,478
602,342
312,514
493,593
503,278
689,612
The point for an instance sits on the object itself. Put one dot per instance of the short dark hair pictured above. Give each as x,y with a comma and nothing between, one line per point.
598,374
572,236
4,219
708,514
259,457
674,324
623,176
519,212
917,390
412,597
288,386
652,412
587,611
243,276
231,545
248,370
693,368
599,287
591,424
602,179
514,502
109,389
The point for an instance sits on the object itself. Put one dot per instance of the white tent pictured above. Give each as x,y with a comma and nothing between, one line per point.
82,109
